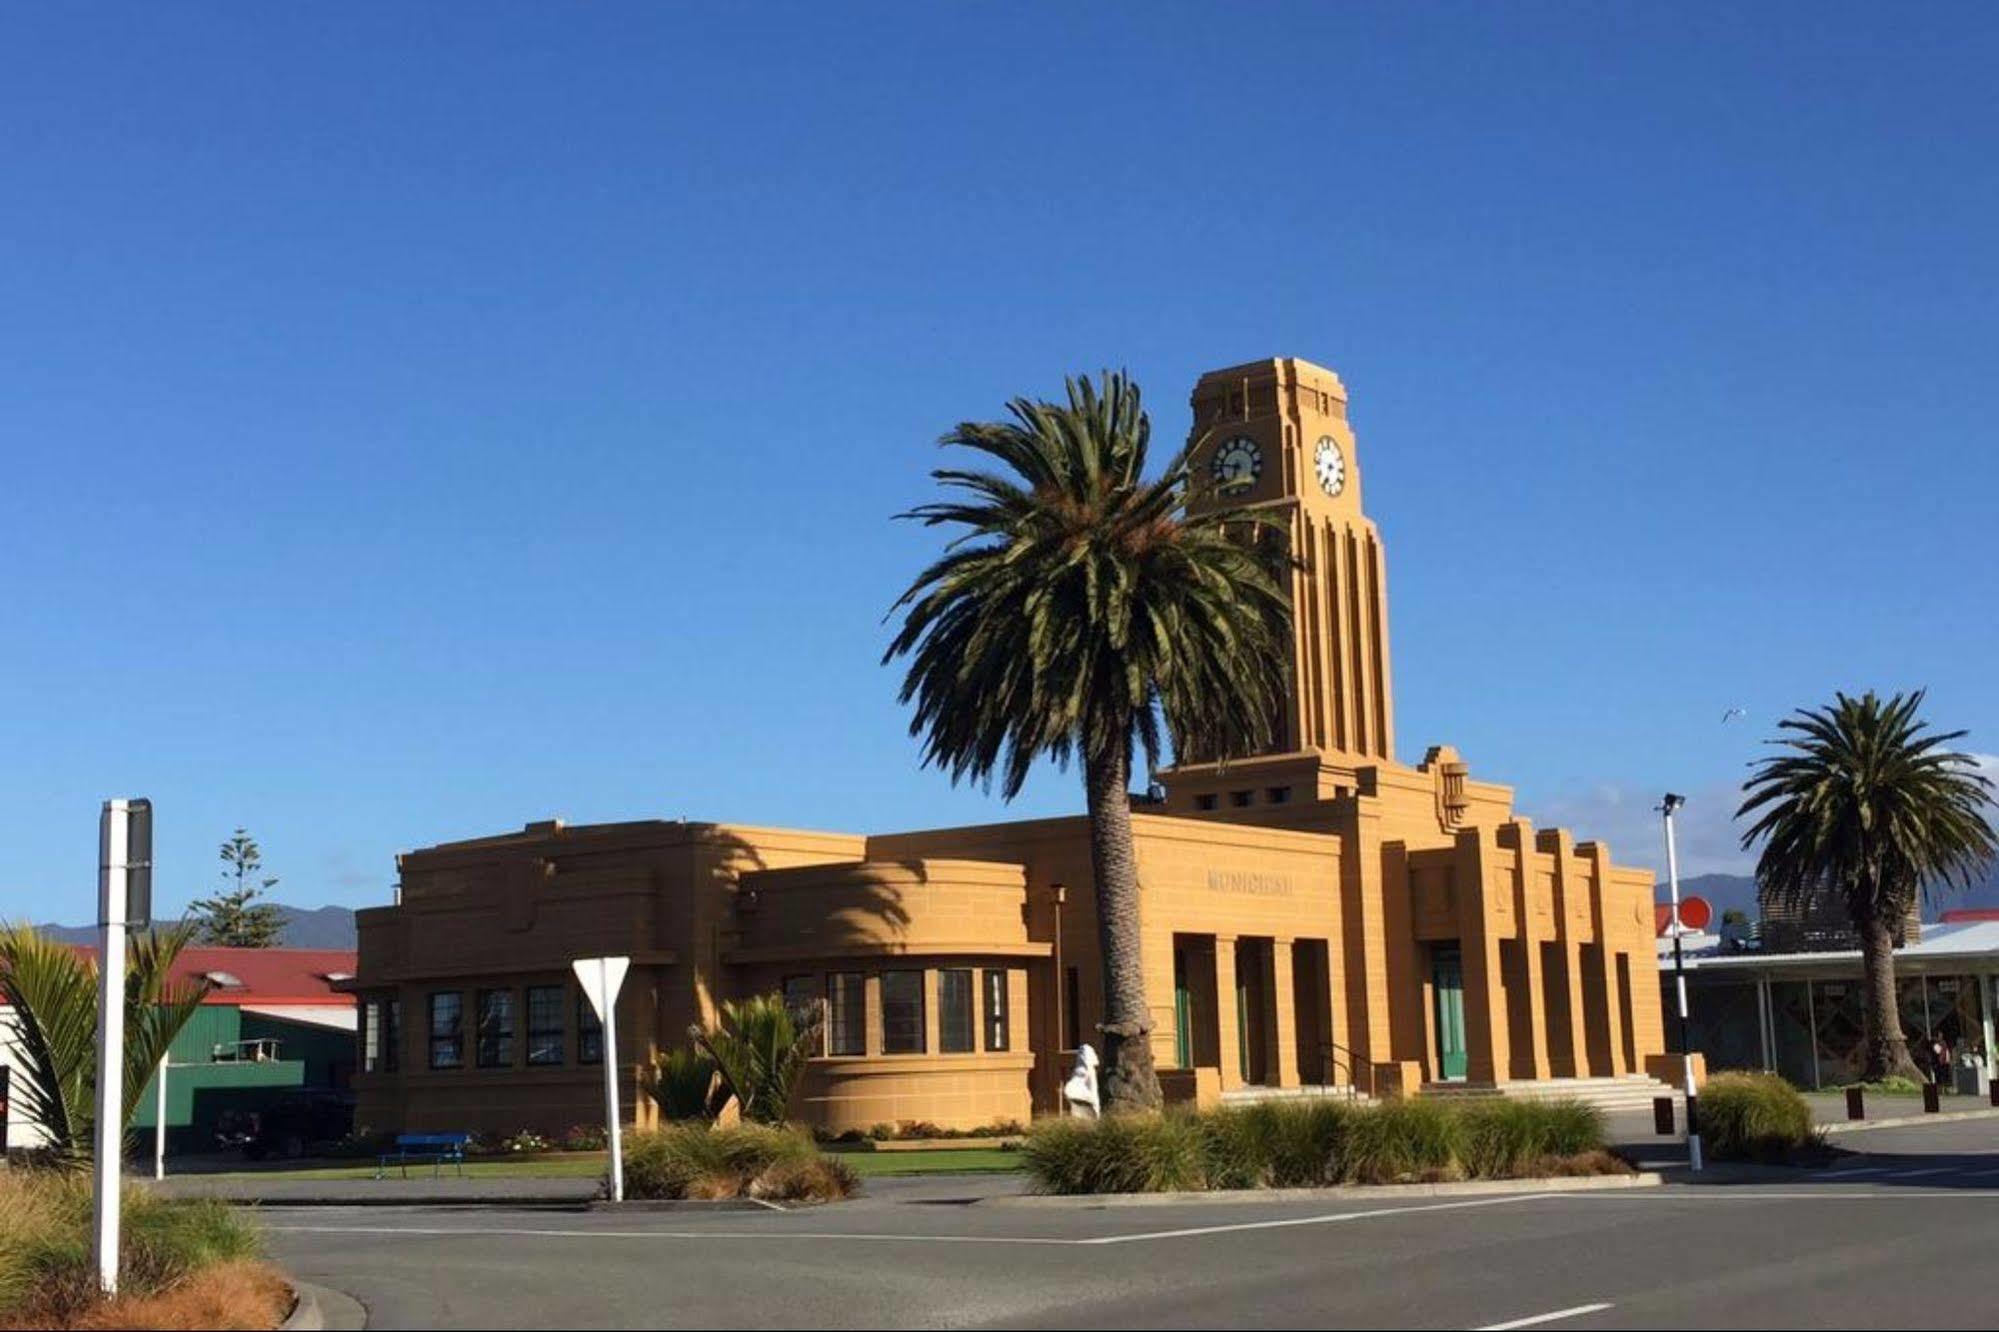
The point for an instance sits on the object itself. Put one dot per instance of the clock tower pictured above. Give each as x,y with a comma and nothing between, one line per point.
1275,433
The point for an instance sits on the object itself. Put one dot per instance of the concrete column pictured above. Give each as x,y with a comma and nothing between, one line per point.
1364,930
1488,1054
1226,1031
1598,856
1572,1060
1283,1009
1521,835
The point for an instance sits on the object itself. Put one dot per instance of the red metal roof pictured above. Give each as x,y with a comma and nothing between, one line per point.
270,976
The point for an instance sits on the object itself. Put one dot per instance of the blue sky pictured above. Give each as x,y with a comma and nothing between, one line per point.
421,420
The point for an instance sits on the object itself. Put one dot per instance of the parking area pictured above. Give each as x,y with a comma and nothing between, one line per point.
1909,1212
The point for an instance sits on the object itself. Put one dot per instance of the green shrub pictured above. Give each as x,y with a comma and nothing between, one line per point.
682,1084
696,1161
1311,1143
46,1269
1118,1154
1505,1139
1754,1117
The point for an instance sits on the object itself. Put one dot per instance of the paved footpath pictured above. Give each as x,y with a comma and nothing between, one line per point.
1896,1233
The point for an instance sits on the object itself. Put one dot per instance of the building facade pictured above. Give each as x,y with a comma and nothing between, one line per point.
272,1022
1319,914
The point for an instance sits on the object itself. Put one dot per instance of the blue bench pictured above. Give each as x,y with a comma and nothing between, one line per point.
440,1149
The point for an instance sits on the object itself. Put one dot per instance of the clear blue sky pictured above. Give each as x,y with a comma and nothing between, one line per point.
418,420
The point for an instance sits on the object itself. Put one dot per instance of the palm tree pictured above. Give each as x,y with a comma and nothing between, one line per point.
52,991
1082,608
757,1048
1868,804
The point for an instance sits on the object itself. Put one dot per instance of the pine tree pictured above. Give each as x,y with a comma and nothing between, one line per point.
234,917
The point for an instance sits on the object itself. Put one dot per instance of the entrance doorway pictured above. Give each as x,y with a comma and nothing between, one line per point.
1447,971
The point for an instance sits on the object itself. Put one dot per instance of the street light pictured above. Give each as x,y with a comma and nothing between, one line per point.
1668,808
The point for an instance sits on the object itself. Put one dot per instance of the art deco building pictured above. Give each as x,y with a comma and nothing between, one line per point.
1321,914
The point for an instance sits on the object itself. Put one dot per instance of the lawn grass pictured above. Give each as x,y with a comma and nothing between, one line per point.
941,1161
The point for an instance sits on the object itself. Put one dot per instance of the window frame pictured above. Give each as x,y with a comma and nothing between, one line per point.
589,1030
968,1030
839,1017
997,988
503,1040
919,1042
453,1037
559,1032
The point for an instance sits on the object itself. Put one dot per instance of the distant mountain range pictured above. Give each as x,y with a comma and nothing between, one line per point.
305,927
1738,891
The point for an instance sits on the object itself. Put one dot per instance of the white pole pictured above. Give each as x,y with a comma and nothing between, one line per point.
112,829
610,1008
1672,803
160,1122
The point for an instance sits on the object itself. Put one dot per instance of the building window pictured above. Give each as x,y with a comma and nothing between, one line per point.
902,1012
1204,802
589,1032
847,1013
371,1036
392,1035
955,1025
447,1029
546,1037
801,996
996,1010
1279,795
1072,1009
496,1029
1241,799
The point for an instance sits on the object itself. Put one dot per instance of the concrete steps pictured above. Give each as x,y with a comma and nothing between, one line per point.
1252,1095
1634,1091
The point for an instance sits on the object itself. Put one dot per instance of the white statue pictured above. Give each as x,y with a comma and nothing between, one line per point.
1080,1091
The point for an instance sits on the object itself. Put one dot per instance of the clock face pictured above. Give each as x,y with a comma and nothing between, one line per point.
1238,462
1330,465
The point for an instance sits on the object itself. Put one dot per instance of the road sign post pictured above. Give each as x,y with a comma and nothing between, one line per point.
601,979
1668,808
124,892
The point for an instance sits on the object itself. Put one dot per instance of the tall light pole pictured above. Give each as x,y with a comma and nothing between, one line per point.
1667,808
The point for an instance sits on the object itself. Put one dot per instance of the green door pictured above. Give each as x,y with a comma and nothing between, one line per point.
1183,1012
1448,971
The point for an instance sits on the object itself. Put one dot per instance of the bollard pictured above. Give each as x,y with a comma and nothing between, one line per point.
1856,1106
1932,1098
1662,1116
1992,1091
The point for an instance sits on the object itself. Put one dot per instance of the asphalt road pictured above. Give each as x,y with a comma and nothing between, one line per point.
1897,1235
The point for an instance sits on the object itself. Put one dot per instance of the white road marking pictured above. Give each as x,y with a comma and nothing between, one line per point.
1980,1174
1918,1174
1849,1174
1535,1321
1333,1218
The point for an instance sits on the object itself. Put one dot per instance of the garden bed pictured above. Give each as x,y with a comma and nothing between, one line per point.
1318,1144
696,1162
182,1264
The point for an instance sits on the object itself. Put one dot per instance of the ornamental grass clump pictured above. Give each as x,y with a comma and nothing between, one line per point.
1315,1143
1755,1117
1507,1139
198,1254
693,1160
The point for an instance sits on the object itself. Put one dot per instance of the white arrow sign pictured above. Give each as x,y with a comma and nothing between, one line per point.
601,979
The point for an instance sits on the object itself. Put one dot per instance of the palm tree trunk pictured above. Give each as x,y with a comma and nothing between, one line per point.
1887,1047
1130,1081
